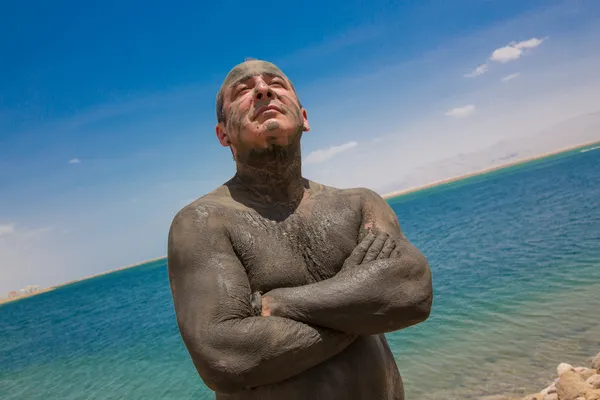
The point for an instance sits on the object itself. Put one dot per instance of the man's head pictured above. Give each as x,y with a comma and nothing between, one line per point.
258,110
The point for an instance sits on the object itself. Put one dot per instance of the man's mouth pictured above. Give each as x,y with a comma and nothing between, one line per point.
265,109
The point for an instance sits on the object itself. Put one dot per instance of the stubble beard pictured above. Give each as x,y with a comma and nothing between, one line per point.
274,153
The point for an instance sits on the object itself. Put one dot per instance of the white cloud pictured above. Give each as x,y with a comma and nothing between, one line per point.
511,77
74,161
34,233
514,50
461,112
7,229
506,54
322,155
529,44
480,70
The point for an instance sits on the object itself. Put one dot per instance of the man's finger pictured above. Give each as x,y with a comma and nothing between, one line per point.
376,247
389,246
396,253
360,250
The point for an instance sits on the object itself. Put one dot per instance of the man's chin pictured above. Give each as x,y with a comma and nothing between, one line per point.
278,149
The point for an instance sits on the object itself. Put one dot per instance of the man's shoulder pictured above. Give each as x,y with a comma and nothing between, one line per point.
357,193
208,211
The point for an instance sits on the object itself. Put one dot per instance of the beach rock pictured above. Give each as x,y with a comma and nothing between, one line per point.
585,373
496,397
593,394
593,381
551,396
570,386
549,390
596,361
563,367
537,396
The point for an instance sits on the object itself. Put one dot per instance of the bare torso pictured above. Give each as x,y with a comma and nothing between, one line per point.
295,248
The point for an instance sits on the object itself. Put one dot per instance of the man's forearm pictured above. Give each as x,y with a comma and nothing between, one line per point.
377,297
245,353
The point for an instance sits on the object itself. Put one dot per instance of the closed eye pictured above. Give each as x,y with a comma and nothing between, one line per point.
240,90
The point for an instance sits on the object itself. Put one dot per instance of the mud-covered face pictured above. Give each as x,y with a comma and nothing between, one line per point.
260,108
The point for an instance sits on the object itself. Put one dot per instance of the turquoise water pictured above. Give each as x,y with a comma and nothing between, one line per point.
515,257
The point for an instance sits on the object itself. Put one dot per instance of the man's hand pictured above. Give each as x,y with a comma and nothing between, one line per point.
384,285
372,247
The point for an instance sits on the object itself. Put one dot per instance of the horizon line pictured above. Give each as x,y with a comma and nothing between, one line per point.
387,196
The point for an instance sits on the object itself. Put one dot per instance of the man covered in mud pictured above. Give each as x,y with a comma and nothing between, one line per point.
283,288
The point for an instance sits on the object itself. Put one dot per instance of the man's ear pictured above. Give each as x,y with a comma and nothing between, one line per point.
222,134
305,123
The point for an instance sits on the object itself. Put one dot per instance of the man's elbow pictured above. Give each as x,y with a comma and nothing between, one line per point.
413,305
424,295
220,375
422,307
222,371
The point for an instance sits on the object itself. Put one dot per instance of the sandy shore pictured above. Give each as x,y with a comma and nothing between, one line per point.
572,383
487,170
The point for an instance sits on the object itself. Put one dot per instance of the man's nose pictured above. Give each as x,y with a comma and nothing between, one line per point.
262,91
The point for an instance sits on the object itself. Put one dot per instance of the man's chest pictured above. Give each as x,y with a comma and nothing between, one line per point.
307,246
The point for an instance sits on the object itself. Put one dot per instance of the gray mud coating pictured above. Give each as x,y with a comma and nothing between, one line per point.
331,266
251,68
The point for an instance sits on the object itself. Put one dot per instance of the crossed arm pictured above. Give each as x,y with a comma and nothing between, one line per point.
232,347
385,285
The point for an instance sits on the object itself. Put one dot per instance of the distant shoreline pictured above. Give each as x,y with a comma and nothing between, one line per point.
385,196
398,193
50,288
108,272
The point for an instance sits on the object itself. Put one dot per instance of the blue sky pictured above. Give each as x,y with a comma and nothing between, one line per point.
107,108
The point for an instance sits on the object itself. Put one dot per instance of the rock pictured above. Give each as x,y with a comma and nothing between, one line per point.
537,396
549,390
496,397
570,386
596,362
585,373
593,381
593,394
563,367
551,396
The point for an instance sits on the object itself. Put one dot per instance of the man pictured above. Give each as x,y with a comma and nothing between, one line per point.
283,288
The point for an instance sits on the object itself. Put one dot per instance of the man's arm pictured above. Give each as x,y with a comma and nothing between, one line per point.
231,346
380,295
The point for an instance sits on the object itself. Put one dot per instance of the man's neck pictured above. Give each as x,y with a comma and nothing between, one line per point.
273,177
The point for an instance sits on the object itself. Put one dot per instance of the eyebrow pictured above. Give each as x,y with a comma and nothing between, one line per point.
246,77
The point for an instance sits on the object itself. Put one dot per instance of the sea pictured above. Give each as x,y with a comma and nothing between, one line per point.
515,257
